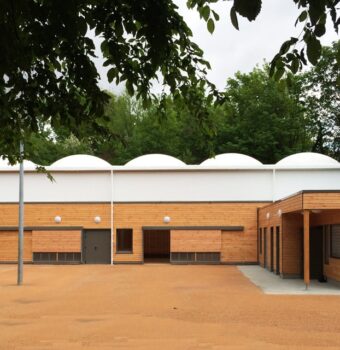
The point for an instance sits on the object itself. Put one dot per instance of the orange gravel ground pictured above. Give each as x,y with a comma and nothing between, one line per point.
157,307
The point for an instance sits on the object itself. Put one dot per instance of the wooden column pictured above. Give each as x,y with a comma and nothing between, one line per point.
306,246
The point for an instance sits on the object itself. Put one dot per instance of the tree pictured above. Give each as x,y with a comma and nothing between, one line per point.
261,118
320,95
47,76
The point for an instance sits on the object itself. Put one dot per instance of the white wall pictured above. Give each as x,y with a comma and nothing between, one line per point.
171,186
193,186
68,187
288,182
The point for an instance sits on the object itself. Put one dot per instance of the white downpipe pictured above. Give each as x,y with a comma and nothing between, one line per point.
111,217
274,185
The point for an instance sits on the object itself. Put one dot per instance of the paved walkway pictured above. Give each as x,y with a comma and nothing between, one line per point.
273,284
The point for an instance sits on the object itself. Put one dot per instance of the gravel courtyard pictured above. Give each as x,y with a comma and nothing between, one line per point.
157,307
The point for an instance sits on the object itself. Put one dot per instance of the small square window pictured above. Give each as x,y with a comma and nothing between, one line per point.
124,240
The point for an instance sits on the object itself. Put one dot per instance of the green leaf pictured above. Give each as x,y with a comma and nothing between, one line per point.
233,17
303,16
205,12
320,29
279,73
211,26
248,8
111,74
313,50
216,16
295,65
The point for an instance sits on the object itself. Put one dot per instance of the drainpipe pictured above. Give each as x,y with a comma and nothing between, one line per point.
274,185
111,216
21,217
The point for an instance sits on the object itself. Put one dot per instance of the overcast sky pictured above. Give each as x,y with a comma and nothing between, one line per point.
229,50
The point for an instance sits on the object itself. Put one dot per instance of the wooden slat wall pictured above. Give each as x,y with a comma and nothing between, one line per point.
321,200
9,246
238,247
261,253
290,204
291,262
274,248
56,241
195,241
327,217
72,214
332,270
136,215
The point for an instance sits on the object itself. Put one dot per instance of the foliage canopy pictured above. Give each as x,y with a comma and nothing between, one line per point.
47,76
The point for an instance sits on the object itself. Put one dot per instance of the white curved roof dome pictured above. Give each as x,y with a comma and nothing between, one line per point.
28,165
231,159
81,161
155,160
307,159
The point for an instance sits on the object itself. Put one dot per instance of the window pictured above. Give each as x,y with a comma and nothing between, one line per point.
335,241
124,240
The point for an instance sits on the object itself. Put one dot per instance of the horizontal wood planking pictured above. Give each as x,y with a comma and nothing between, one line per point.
72,214
292,260
9,246
186,214
239,246
321,200
195,241
332,270
326,217
290,204
56,241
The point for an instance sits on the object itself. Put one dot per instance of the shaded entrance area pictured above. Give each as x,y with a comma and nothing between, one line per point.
156,246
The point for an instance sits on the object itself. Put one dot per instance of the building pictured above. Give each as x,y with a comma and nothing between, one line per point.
230,209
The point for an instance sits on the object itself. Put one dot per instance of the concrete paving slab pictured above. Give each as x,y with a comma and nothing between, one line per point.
270,283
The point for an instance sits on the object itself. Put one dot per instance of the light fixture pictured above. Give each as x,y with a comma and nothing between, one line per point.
166,219
57,219
316,211
97,219
279,212
268,216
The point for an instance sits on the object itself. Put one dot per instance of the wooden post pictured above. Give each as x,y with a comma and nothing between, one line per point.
306,261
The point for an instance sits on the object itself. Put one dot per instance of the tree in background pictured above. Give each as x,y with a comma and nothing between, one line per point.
320,95
261,117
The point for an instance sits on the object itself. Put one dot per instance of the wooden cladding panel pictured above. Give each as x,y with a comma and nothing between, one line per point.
238,246
72,214
321,200
292,258
9,246
133,215
326,217
332,270
290,204
56,241
195,241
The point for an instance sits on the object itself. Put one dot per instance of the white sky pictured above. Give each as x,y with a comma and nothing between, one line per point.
229,50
